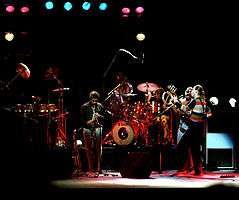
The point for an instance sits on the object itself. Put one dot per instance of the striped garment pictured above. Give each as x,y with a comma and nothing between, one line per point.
198,110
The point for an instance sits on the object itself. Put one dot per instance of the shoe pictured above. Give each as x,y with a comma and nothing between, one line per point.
81,173
182,171
191,172
77,173
91,174
179,173
190,169
198,173
97,174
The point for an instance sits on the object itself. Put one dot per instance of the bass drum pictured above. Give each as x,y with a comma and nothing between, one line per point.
123,133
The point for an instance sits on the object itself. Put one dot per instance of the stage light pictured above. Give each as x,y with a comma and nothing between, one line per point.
140,37
214,101
125,11
139,10
10,9
68,6
9,36
24,9
79,142
49,5
103,6
232,102
86,5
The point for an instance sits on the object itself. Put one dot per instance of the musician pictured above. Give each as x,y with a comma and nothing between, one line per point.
92,118
125,86
185,155
119,95
195,135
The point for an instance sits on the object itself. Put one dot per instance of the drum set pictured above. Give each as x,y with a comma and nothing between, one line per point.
133,115
53,114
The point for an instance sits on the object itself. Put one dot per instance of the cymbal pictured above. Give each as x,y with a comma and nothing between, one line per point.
129,95
23,70
60,89
147,87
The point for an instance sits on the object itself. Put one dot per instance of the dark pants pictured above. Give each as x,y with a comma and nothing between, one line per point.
193,140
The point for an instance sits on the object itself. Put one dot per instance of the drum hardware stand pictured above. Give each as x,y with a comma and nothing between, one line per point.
107,136
22,70
112,91
76,157
163,112
61,123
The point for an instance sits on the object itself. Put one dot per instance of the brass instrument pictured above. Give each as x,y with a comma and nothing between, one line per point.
165,126
168,98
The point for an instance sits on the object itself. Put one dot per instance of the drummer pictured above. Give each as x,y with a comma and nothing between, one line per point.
125,87
116,100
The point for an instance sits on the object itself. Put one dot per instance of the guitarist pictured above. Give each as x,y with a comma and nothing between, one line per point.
195,135
92,115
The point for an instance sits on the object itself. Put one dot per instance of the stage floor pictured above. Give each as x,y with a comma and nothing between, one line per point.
166,179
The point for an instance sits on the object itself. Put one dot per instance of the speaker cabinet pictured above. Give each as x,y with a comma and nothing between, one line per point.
219,151
137,165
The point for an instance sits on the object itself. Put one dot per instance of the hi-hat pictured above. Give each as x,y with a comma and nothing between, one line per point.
60,89
147,87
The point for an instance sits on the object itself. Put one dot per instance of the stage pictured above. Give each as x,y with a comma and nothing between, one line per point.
166,179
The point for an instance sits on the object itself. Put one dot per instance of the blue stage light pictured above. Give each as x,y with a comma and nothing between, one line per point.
86,5
103,6
49,5
68,6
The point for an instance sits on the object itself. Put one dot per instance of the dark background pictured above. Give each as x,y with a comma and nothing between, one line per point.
184,45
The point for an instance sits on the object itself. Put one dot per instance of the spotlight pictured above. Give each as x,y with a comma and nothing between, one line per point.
68,6
24,9
125,11
49,5
232,102
86,5
140,37
9,36
214,101
10,9
139,10
103,6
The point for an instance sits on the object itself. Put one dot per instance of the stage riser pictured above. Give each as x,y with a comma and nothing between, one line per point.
114,157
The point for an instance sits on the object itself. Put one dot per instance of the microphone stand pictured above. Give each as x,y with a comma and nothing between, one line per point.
11,81
112,91
163,111
110,65
107,70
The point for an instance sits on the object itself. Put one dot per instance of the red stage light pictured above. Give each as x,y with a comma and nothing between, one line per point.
24,9
10,9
